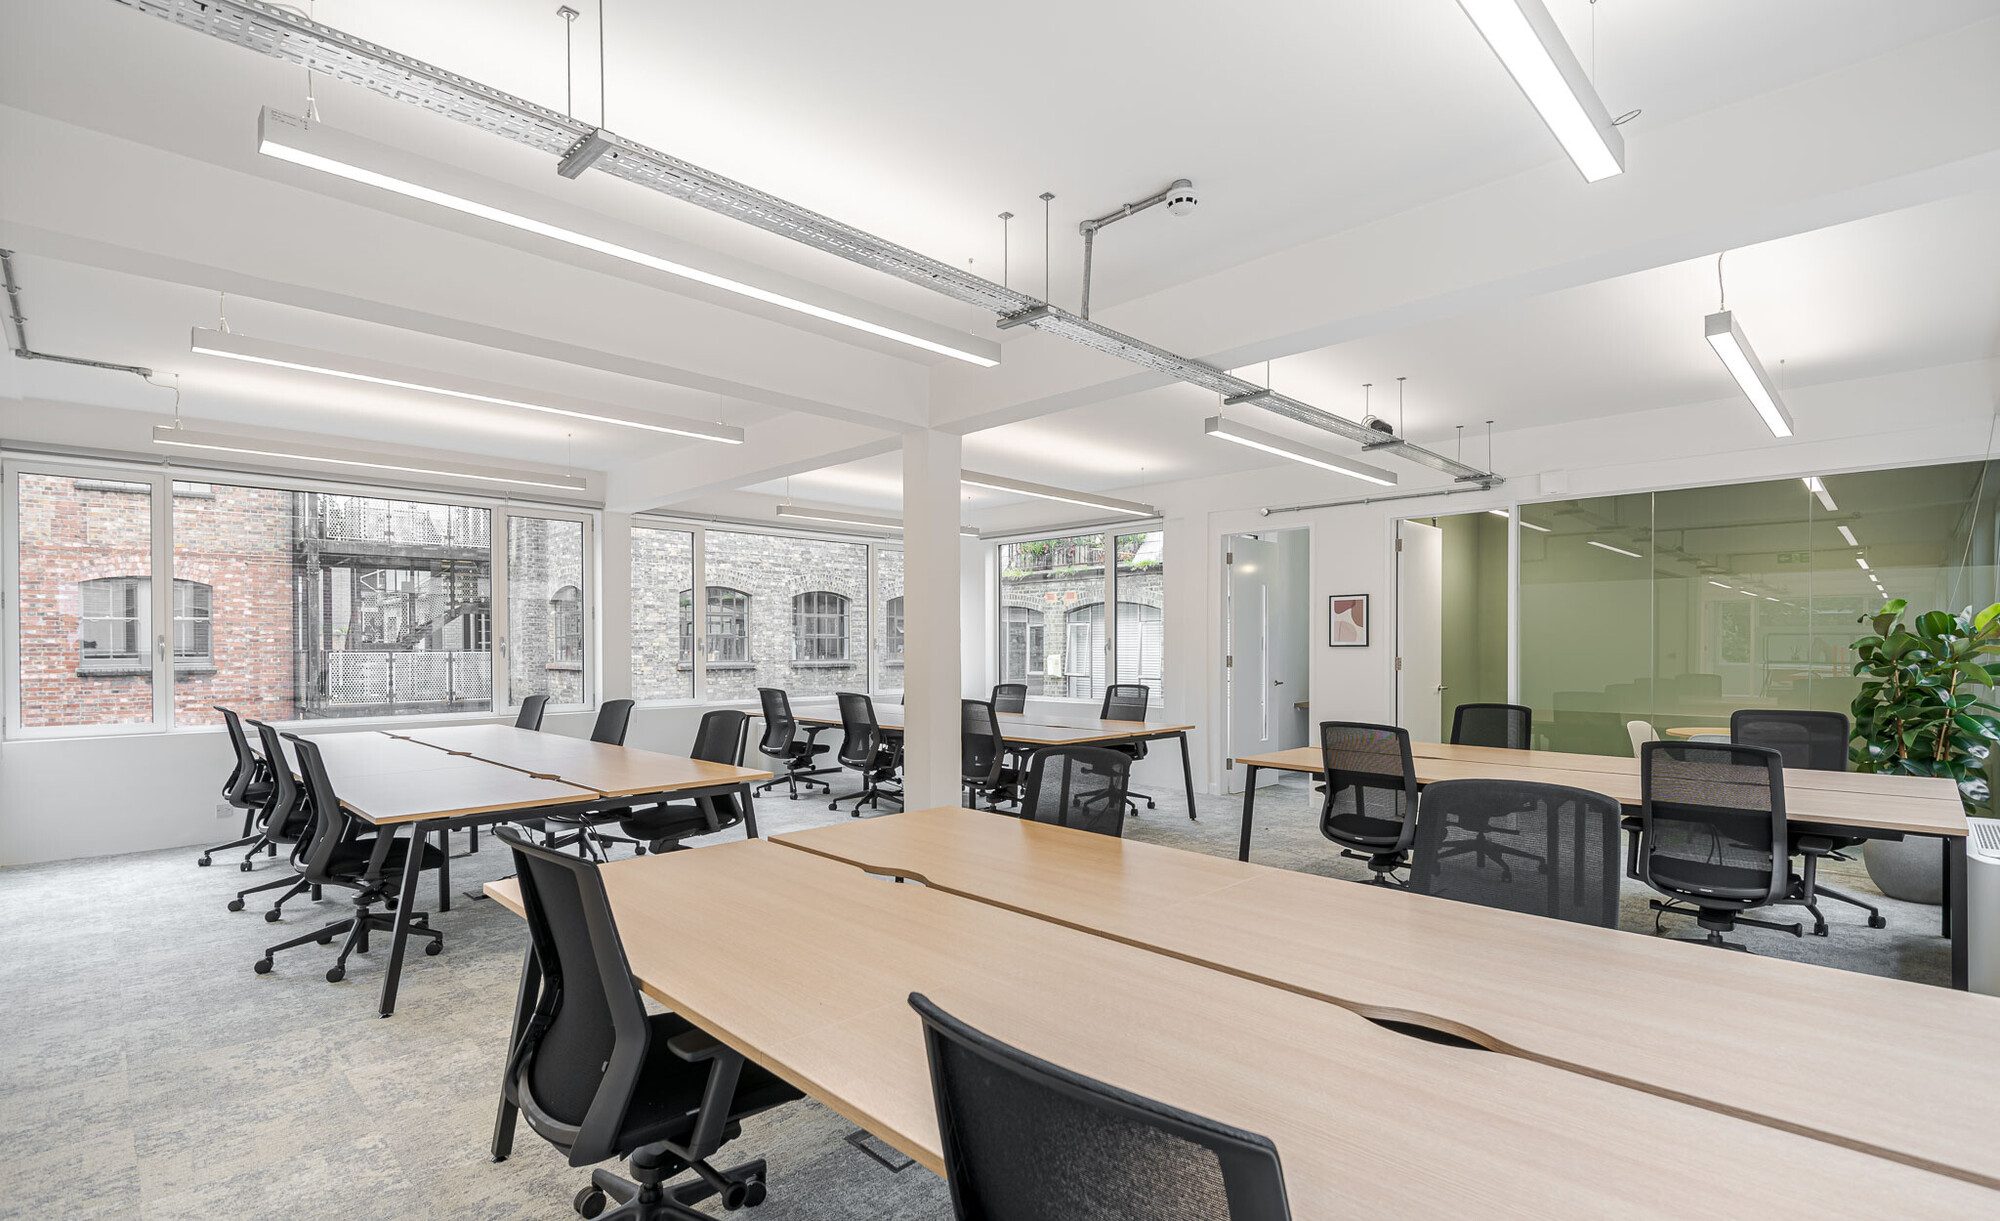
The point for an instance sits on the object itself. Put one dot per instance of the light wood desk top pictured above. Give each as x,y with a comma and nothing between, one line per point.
1697,731
1905,804
613,771
1044,729
805,965
389,780
1894,1068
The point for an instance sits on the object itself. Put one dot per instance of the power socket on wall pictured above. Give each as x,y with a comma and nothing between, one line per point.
224,810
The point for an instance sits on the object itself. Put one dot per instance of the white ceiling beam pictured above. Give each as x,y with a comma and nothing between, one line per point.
776,449
1916,125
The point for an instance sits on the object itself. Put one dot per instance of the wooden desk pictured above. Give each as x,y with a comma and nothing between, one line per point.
1895,1069
805,966
1852,804
611,771
1030,731
1697,731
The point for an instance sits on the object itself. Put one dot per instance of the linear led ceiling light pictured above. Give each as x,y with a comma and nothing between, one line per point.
1863,563
1525,523
232,346
1727,339
1089,500
856,519
164,434
1532,47
1817,487
1271,443
289,138
1608,547
1848,535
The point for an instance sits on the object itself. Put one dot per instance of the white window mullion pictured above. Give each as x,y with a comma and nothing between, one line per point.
698,634
160,639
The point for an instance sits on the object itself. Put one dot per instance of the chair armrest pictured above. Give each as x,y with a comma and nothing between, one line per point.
1815,845
694,1046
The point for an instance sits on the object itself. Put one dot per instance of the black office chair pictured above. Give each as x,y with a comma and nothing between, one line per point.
1078,786
1817,741
531,712
1010,697
286,821
662,827
613,716
344,851
1712,833
781,742
248,788
866,749
1127,702
1505,725
1566,837
1026,1138
984,760
1370,808
598,1078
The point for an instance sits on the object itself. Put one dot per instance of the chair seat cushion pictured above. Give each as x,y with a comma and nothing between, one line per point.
1363,830
1709,880
672,820
669,1089
351,859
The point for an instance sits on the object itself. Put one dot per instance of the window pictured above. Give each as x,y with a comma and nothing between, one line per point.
889,613
545,612
728,627
566,625
81,652
1042,581
112,623
819,627
662,597
1142,594
194,637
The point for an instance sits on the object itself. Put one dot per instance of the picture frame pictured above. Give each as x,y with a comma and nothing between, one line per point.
1347,621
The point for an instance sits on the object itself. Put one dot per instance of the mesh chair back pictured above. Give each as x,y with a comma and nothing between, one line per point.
779,727
719,738
1010,697
864,733
1802,738
1545,849
332,826
236,788
1078,786
1641,732
1712,823
531,712
1503,725
1371,786
1125,702
589,1036
1026,1138
612,720
982,752
286,818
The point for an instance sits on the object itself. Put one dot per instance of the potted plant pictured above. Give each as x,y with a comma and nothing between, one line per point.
1918,713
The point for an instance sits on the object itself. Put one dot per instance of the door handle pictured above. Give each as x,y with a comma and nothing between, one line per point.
1442,687
1277,682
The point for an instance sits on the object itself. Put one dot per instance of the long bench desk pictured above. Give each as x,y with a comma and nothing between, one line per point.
805,966
1897,1069
1031,731
424,782
1852,804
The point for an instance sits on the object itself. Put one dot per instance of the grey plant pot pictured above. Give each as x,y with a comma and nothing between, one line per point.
1910,869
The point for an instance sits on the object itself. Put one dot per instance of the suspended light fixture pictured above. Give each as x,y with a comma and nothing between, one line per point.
1533,49
1608,547
840,517
318,147
1525,523
1817,487
1848,535
1271,443
1727,339
231,346
164,434
1042,491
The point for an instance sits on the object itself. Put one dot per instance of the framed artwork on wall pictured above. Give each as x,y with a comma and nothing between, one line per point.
1347,621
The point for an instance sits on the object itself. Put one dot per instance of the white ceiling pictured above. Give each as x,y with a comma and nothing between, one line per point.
1297,120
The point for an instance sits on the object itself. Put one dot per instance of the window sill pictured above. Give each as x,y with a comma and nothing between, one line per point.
567,667
822,665
720,665
139,669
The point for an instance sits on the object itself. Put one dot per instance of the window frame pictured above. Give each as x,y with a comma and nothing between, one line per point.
1111,531
809,609
159,482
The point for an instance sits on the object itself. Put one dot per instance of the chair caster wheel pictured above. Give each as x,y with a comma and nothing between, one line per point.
735,1196
753,1193
204,862
1819,930
262,966
245,867
335,974
638,850
236,905
1878,922
589,1202
326,940
273,916
433,949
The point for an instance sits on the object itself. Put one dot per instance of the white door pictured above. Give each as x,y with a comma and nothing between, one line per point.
1420,694
1258,700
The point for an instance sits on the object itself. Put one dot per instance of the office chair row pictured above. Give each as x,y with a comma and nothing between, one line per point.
1711,834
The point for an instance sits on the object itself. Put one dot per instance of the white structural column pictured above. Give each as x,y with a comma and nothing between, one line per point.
931,682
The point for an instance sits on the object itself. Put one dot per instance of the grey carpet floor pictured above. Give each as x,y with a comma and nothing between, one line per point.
145,1071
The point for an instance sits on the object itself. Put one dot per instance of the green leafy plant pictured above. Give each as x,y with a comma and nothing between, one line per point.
1917,713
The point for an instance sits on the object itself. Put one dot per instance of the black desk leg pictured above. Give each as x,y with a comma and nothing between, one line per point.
749,814
1249,806
1187,772
444,870
1954,908
405,905
524,1010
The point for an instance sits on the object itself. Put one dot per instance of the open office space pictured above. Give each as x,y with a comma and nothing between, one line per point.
892,611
